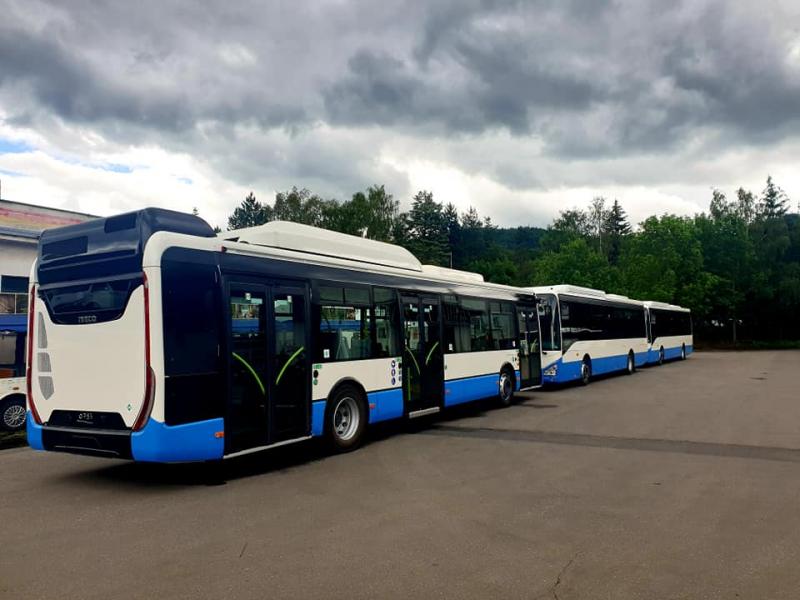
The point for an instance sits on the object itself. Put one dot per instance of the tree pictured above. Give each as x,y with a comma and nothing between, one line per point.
248,214
719,205
573,221
774,203
597,219
451,219
427,232
575,263
745,205
298,206
370,215
616,228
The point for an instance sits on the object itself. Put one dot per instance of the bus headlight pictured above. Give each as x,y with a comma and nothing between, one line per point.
551,371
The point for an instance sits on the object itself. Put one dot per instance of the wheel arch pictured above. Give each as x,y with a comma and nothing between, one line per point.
13,396
352,381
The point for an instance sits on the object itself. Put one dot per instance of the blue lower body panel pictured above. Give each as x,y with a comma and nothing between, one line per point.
159,442
317,417
571,371
34,433
458,391
385,405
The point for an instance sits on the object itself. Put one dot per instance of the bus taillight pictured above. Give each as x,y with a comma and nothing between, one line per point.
149,375
29,366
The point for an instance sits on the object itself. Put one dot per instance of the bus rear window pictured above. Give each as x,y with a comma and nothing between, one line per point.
91,302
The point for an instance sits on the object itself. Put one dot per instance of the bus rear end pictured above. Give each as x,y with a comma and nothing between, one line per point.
91,382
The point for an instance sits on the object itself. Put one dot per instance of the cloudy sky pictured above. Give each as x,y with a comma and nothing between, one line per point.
520,109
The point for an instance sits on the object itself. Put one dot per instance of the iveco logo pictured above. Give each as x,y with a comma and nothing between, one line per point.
87,319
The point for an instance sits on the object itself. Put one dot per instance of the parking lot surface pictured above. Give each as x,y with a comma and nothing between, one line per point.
680,481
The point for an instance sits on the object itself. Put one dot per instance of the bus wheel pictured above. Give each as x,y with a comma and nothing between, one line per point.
506,392
12,413
586,370
630,367
661,355
346,419
683,351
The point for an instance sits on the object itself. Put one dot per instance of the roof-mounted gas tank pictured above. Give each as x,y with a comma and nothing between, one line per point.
110,245
304,238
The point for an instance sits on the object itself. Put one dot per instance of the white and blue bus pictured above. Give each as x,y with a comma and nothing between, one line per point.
587,332
669,331
152,338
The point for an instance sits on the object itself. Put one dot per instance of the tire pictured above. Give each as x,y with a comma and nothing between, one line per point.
506,386
12,413
346,419
683,351
586,370
661,355
630,366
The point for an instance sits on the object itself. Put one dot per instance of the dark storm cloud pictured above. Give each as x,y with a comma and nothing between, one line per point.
583,78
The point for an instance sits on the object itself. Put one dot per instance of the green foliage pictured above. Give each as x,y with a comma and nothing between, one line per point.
371,214
427,230
248,214
576,263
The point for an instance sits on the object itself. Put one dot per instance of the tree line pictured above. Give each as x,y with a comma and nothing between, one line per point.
737,266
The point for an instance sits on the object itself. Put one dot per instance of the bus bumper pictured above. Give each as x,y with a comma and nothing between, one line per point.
34,432
157,442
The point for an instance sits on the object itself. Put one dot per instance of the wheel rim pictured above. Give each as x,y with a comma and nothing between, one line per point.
661,356
683,352
346,418
14,416
585,372
630,364
505,387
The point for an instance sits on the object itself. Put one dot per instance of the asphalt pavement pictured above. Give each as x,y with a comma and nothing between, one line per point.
680,481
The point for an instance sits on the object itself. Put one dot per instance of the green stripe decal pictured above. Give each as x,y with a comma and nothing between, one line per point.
428,358
416,364
252,372
288,362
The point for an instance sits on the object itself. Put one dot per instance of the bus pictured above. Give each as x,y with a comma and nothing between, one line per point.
154,339
12,377
586,332
669,332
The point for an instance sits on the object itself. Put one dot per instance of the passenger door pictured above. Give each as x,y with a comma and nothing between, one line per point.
269,384
530,360
423,358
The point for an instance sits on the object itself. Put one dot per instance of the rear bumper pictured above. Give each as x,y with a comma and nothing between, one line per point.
91,442
157,442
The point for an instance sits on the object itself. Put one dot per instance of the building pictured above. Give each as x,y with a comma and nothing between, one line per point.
20,227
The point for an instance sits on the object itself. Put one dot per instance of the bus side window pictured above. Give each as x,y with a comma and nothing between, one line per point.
344,317
386,318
